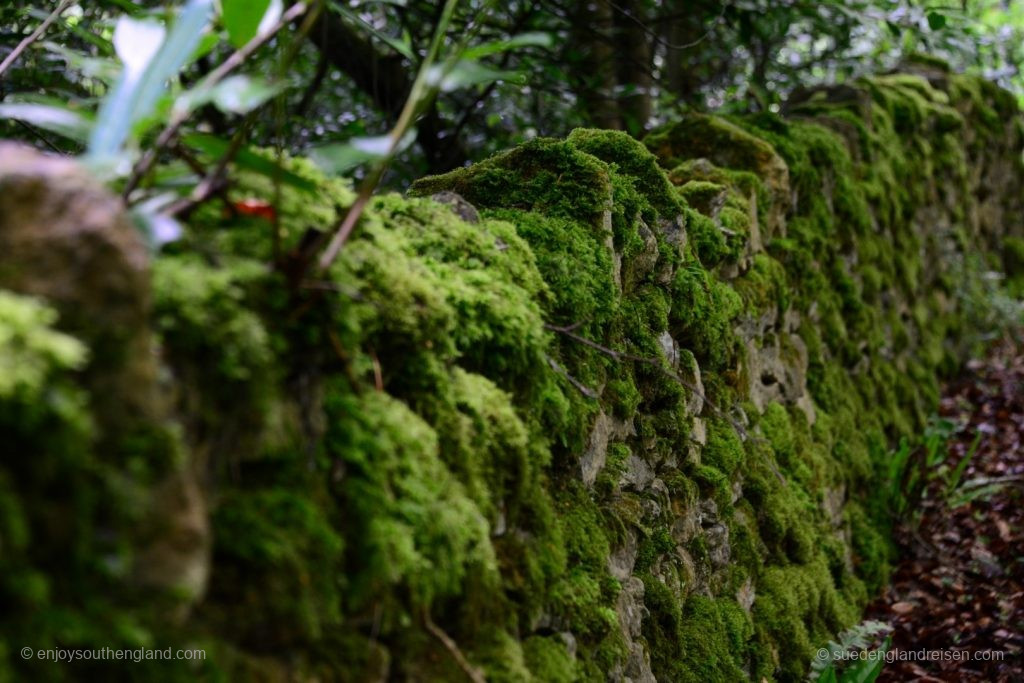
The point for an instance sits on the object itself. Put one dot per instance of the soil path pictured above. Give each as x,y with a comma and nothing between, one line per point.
958,591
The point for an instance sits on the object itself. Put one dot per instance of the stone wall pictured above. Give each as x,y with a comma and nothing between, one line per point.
592,409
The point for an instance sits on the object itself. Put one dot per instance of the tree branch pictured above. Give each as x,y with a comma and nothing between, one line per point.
453,648
383,77
34,36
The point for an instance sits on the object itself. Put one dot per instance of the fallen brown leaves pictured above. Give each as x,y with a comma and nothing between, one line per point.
960,583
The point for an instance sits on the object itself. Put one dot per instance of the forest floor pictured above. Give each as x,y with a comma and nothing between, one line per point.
958,590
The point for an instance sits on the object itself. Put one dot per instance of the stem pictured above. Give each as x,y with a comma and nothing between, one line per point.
419,94
453,648
34,36
178,117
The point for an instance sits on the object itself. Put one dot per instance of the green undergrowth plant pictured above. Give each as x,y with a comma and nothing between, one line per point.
920,467
857,657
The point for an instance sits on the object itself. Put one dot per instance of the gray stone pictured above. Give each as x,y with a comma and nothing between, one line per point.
458,205
669,348
594,457
67,240
638,474
631,611
623,558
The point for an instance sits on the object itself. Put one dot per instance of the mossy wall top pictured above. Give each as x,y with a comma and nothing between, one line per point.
598,410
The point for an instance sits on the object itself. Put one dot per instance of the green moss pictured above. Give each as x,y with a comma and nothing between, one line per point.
714,484
608,478
723,450
630,158
548,176
286,538
405,442
306,199
702,313
764,287
204,316
708,240
704,640
549,660
418,527
704,196
658,543
32,350
1013,256
797,609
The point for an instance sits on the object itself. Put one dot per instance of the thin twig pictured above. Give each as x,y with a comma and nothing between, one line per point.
420,93
661,41
179,116
471,672
34,36
193,163
580,386
213,180
36,132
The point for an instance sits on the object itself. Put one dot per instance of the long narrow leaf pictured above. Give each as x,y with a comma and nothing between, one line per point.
532,39
215,148
140,86
59,120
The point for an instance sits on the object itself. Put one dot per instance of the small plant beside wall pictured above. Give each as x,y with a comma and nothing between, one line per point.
858,657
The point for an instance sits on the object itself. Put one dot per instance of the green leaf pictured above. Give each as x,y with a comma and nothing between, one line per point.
100,68
242,18
216,148
149,64
867,670
236,94
532,39
465,73
829,674
59,120
402,47
936,21
341,157
241,94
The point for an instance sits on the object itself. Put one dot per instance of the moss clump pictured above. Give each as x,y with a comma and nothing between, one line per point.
548,659
705,639
69,513
203,313
797,608
285,536
297,192
544,175
723,450
632,159
703,310
704,196
708,240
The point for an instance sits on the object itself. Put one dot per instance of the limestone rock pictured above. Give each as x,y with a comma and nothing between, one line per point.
459,206
67,240
605,429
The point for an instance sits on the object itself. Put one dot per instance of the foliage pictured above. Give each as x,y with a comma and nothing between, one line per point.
743,55
857,639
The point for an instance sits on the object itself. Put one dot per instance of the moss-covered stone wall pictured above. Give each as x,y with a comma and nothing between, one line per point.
592,409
